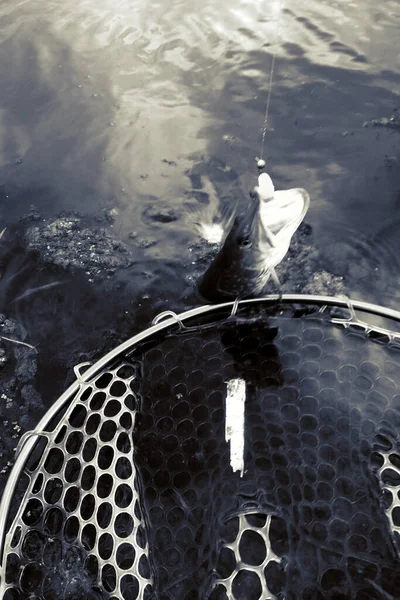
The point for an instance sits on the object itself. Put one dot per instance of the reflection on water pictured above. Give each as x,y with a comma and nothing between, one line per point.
114,106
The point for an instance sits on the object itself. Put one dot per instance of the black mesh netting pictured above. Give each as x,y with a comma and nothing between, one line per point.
136,497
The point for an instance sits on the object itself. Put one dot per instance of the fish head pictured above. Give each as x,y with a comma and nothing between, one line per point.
240,268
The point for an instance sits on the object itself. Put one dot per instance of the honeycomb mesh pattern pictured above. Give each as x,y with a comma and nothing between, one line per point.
81,531
134,495
250,553
389,474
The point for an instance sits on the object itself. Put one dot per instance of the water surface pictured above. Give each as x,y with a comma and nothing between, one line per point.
106,106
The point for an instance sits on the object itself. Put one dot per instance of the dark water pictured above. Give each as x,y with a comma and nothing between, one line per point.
110,106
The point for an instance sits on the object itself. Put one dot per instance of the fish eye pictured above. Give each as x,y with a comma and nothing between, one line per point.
245,243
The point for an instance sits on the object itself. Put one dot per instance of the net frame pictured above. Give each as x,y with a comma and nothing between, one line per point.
164,322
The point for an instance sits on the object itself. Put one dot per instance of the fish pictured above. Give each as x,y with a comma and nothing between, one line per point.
257,242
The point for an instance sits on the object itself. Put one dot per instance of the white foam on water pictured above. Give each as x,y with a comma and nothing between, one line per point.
212,233
234,422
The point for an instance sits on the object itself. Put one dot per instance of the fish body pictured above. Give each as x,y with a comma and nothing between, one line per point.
257,242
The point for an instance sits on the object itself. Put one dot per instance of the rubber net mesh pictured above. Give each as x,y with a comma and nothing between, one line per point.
133,494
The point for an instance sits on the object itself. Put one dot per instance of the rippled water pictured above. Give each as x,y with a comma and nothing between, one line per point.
109,105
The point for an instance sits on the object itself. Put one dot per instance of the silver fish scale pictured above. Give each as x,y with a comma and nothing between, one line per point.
134,495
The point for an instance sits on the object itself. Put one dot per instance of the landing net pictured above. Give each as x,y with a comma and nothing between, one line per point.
253,455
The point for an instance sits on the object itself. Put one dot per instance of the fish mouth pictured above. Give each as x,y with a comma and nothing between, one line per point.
258,241
239,269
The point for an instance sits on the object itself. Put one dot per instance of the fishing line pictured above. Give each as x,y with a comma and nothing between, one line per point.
271,76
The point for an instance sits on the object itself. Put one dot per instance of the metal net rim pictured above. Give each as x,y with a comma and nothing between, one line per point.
163,322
